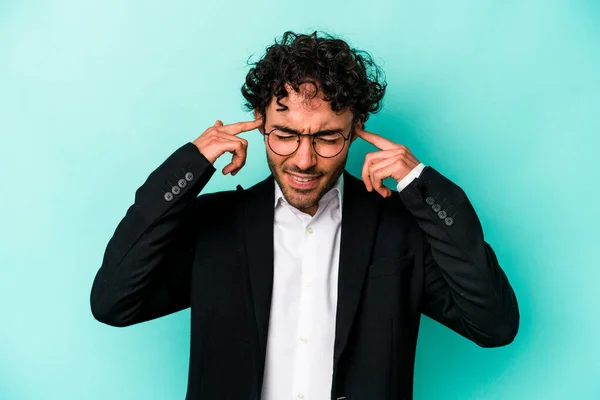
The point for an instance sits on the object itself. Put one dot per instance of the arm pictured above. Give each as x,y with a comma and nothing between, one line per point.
146,269
146,266
465,287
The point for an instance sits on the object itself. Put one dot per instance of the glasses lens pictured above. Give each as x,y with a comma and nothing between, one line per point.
329,145
283,143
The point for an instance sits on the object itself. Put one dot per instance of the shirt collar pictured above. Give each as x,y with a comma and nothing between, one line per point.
336,190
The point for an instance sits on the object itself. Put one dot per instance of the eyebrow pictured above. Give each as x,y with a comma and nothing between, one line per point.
322,132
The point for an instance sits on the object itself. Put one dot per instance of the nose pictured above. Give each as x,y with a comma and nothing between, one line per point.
305,157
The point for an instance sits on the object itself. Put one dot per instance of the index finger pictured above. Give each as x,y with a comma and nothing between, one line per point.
376,140
239,127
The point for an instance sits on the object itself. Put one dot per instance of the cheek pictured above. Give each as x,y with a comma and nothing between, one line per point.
275,160
335,164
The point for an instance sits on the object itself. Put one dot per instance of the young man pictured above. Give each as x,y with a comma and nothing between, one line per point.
310,284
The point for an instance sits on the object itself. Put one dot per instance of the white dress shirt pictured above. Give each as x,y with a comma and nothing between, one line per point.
299,358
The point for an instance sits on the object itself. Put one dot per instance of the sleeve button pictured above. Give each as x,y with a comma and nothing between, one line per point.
430,200
442,214
436,207
168,196
189,176
182,183
449,221
175,190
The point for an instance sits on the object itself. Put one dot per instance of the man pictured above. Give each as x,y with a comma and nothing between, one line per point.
310,284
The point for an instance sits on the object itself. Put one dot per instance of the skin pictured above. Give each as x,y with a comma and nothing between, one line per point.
308,114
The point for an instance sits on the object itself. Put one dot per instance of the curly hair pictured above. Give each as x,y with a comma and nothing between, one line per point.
347,77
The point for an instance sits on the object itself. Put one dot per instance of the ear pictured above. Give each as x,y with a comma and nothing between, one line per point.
358,125
258,115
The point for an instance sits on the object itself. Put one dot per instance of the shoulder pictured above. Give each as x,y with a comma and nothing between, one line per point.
230,199
355,188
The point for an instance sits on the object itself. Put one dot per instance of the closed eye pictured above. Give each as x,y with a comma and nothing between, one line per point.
284,137
328,139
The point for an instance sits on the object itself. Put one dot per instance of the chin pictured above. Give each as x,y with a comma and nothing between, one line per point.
301,199
304,195
304,203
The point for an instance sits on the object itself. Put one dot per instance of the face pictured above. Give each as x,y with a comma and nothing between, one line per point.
306,114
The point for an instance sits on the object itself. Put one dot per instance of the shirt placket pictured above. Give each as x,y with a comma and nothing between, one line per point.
301,390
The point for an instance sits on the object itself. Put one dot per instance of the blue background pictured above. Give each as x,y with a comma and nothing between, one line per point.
502,97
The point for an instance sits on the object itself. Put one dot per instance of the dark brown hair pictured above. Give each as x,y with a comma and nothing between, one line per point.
347,77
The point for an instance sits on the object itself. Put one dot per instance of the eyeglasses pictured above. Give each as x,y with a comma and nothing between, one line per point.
326,145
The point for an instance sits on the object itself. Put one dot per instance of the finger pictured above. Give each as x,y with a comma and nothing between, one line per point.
220,135
377,174
218,123
376,140
233,168
238,159
412,158
221,143
372,158
239,127
235,165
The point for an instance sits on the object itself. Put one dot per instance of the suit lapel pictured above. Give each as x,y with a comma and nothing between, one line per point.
359,219
255,236
255,211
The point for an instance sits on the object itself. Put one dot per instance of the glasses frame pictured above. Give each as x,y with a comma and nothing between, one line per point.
312,142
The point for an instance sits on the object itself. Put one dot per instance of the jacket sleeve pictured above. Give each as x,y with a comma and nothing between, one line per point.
464,286
145,271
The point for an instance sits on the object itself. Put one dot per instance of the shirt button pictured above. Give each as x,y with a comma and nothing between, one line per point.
300,395
304,340
309,229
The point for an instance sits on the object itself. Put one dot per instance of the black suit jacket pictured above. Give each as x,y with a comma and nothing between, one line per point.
400,257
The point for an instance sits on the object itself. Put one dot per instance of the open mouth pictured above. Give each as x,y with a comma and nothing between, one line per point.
303,182
297,178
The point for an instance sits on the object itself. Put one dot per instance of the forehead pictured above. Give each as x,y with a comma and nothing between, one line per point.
307,111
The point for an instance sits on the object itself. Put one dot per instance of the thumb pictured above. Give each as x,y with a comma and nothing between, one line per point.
218,123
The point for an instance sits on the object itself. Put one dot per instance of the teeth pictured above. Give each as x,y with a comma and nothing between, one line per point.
302,179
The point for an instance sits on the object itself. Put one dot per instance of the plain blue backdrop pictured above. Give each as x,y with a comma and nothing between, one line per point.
502,97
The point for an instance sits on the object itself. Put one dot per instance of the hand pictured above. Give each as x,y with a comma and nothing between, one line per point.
220,138
393,160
